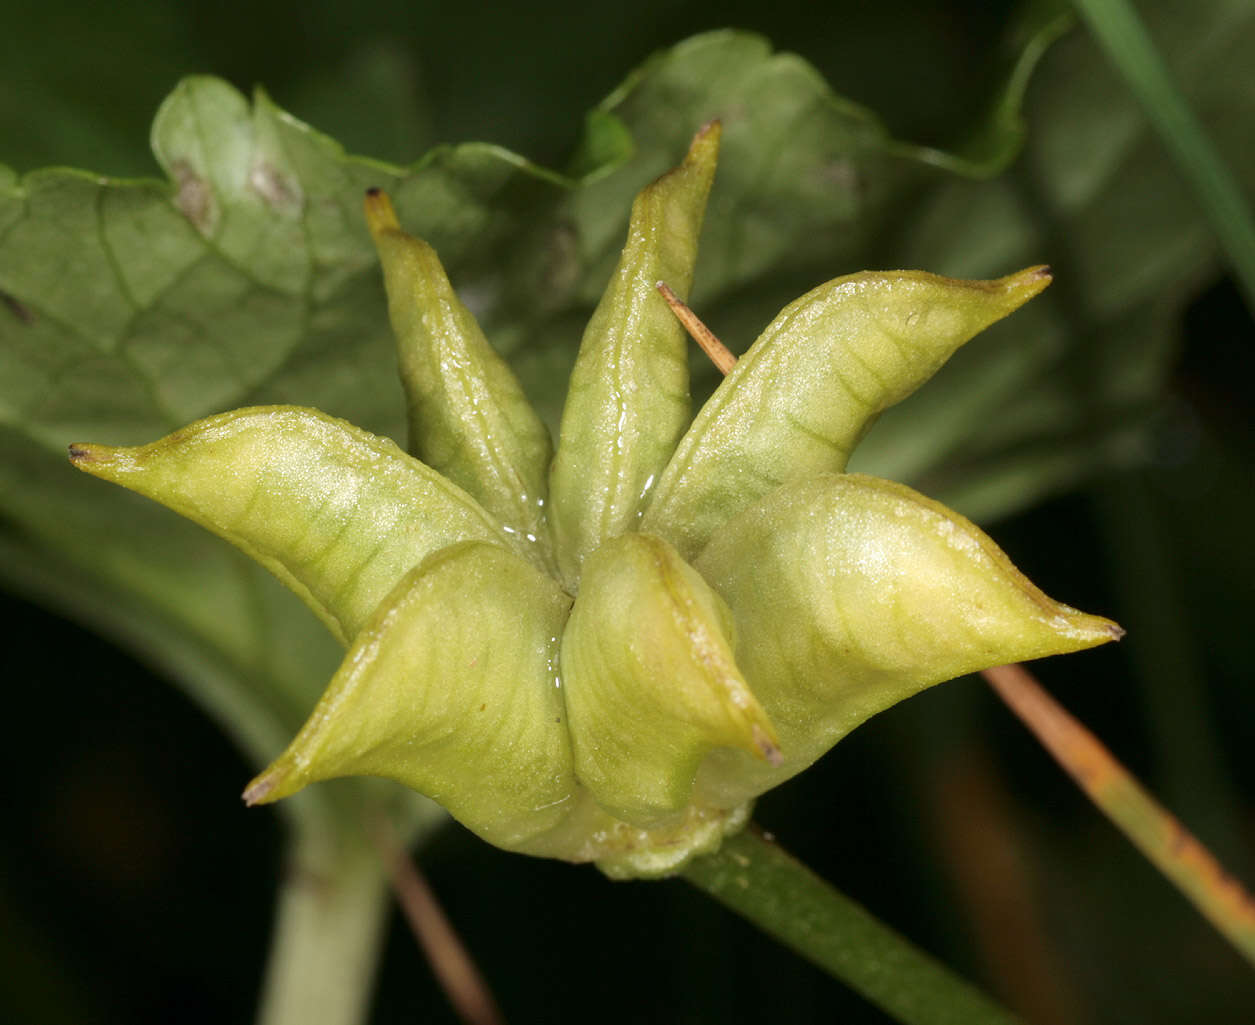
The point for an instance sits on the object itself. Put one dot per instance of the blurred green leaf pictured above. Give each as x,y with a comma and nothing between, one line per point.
1066,387
1119,30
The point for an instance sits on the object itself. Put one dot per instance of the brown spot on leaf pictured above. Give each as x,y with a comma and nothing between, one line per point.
195,197
276,188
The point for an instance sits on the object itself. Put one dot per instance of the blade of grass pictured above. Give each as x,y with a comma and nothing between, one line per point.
1121,34
1153,830
757,879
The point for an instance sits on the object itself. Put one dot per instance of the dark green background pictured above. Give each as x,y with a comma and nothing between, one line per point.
136,888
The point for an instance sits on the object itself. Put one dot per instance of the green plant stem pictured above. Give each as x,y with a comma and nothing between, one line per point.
999,136
1121,34
328,927
765,884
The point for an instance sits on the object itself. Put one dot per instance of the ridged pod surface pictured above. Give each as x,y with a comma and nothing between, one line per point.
606,651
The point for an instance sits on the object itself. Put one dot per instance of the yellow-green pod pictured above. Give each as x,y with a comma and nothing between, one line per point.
628,400
452,689
851,593
740,604
337,513
804,393
651,681
468,416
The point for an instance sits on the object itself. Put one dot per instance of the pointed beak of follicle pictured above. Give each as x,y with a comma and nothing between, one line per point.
80,453
259,790
95,459
380,215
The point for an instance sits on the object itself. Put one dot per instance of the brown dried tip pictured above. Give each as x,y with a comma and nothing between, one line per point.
1039,276
81,452
380,216
258,790
713,125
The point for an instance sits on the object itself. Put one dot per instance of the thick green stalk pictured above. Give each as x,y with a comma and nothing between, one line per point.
758,880
1120,32
329,922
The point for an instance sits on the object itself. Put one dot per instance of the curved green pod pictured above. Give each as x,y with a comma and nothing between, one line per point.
337,513
456,668
468,416
804,393
613,674
651,682
861,592
628,401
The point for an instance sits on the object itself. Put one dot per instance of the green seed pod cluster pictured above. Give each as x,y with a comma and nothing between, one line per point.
606,651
